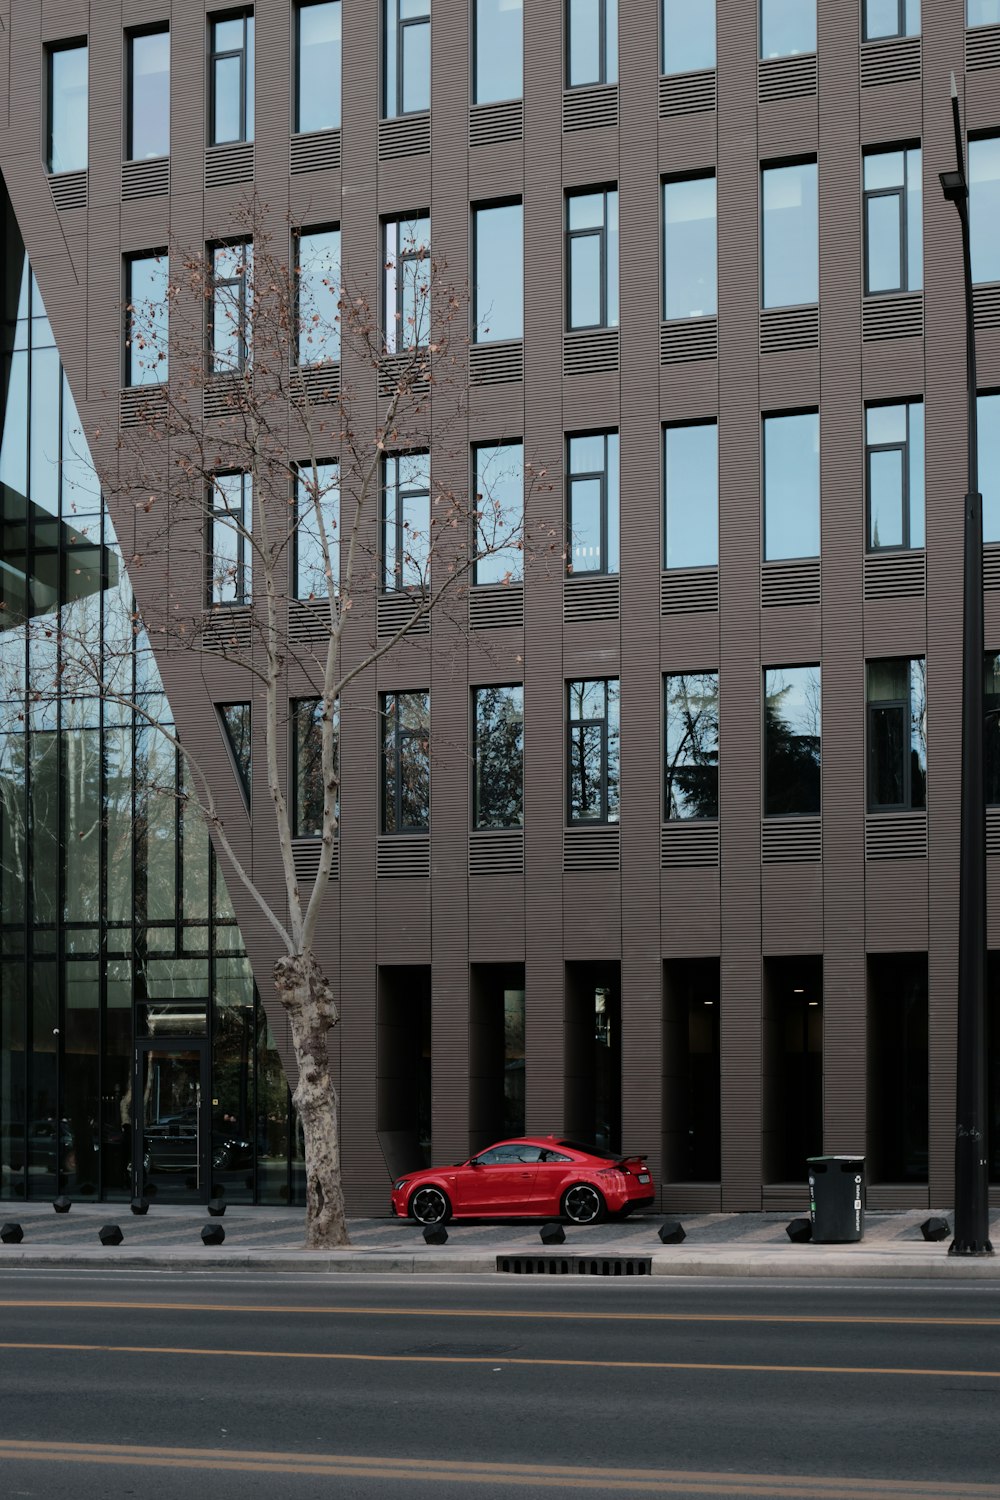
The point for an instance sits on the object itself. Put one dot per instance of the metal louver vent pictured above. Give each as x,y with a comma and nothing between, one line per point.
896,835
496,852
69,190
575,1265
592,848
982,48
786,841
317,152
412,368
145,179
587,109
786,583
783,328
689,846
590,351
227,630
228,164
496,364
895,317
315,385
991,567
308,620
410,135
491,124
141,405
396,610
685,591
694,338
399,855
894,61
986,303
306,855
223,394
687,93
785,77
894,575
496,606
591,599
993,830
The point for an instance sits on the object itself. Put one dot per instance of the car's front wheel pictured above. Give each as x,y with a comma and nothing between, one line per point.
430,1206
583,1204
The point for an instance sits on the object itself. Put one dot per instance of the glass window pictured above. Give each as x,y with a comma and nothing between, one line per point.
594,751
148,95
406,762
236,723
689,248
691,491
988,411
407,56
984,208
983,12
692,745
307,762
318,296
498,250
592,259
894,476
992,744
893,221
592,503
897,734
67,105
688,35
791,245
498,475
230,554
791,741
146,331
318,57
591,42
787,27
883,18
406,521
317,531
499,47
231,69
791,486
232,290
498,725
407,283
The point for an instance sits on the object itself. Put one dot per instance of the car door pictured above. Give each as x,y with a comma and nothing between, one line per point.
550,1179
503,1180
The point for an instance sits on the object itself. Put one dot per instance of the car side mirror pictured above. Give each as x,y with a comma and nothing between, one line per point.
474,1161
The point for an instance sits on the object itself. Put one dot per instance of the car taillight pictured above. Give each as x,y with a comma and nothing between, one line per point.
609,1172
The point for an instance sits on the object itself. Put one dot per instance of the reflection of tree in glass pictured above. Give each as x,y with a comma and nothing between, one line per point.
792,741
692,771
499,757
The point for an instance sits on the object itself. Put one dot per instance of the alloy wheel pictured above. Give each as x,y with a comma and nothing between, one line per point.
429,1206
583,1204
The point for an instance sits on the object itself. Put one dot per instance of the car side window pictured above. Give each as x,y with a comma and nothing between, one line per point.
554,1156
500,1155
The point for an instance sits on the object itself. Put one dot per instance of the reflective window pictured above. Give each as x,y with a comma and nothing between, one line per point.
498,730
231,69
230,553
592,259
787,27
988,412
146,328
318,56
317,531
983,12
894,476
691,491
318,295
406,520
407,282
307,762
984,207
791,485
594,751
689,248
498,45
498,476
591,42
688,35
893,221
67,108
692,745
148,95
407,56
235,719
232,290
883,18
592,503
791,741
498,273
897,734
406,762
791,244
992,744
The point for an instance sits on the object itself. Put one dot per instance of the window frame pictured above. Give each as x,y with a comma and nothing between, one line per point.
243,779
244,14
128,347
686,72
602,234
777,165
294,721
474,99
477,825
765,418
905,705
298,8
68,44
475,209
134,34
905,449
333,544
602,27
401,23
242,302
765,671
889,36
666,429
243,564
400,495
304,231
603,476
605,820
672,182
781,56
475,449
401,259
399,736
868,195
665,791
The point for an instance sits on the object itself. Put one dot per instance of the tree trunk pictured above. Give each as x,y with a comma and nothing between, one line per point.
312,1014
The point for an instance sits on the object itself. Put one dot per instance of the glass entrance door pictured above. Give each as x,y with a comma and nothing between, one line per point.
171,1158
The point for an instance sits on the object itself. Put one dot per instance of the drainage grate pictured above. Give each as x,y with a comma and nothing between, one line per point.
617,1265
580,1265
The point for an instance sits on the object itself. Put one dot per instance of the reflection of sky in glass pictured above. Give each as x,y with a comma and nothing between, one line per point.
791,228
984,208
499,481
988,408
791,486
787,27
320,46
499,273
692,496
688,35
499,50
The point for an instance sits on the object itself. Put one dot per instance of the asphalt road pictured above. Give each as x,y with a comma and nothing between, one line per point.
287,1386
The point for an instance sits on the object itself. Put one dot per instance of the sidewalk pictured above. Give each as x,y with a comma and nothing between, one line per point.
270,1239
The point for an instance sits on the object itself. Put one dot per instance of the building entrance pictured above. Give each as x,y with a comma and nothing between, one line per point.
171,1136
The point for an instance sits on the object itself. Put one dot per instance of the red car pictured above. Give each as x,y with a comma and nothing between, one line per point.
533,1177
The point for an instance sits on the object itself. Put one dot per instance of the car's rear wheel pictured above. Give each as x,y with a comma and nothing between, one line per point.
430,1206
583,1204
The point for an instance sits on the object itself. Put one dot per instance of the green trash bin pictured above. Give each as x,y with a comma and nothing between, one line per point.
837,1199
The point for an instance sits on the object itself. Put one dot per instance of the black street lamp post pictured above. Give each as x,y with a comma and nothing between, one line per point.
972,1216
